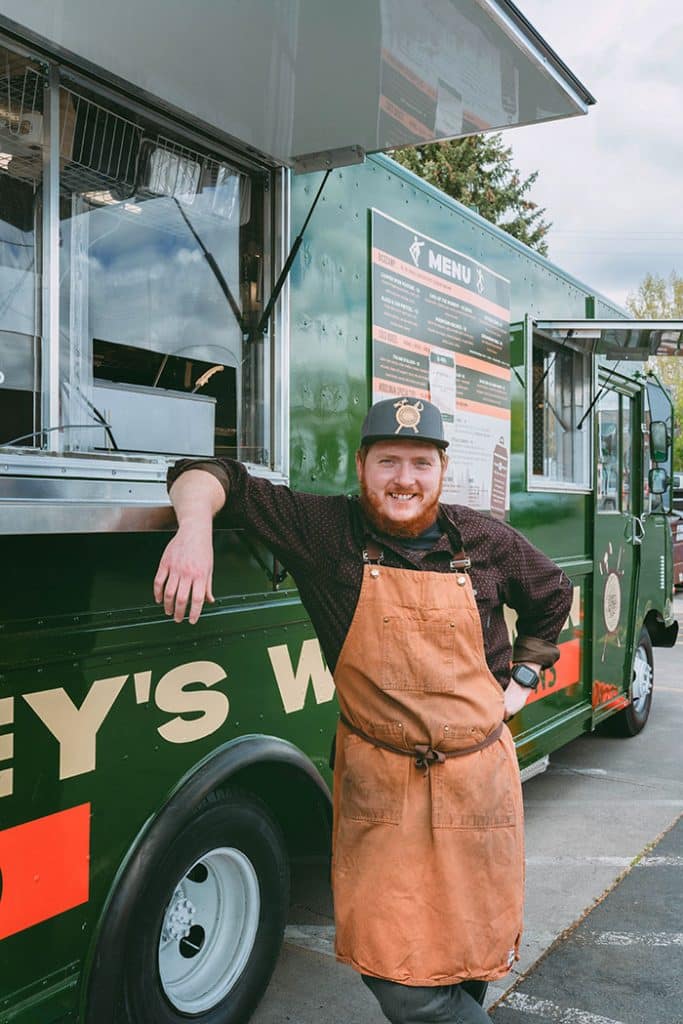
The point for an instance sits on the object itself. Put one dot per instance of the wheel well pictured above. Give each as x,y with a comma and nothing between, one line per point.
297,804
660,634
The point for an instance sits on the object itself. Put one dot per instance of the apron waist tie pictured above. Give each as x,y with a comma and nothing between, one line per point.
425,756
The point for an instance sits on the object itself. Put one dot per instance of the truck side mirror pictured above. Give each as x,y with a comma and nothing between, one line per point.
659,441
658,479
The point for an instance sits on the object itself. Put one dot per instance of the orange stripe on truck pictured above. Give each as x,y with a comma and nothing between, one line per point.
44,868
565,672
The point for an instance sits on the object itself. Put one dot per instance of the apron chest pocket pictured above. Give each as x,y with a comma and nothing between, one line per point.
475,791
374,782
418,656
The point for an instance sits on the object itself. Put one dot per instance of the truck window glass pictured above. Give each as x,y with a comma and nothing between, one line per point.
614,453
560,396
657,407
21,172
609,453
161,255
627,498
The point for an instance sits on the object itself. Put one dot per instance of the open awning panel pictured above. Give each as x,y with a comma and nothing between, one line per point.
618,339
314,83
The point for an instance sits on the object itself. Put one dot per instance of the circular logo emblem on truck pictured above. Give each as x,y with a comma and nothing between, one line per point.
611,602
611,595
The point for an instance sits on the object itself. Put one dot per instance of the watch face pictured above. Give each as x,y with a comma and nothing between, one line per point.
524,675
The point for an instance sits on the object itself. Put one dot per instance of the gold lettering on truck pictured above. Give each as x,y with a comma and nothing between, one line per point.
75,728
170,695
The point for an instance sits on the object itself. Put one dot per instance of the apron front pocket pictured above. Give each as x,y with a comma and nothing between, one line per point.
475,791
373,783
418,656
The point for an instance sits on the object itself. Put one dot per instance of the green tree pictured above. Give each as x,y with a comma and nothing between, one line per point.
478,171
657,298
661,298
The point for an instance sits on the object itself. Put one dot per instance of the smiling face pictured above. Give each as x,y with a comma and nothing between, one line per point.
400,485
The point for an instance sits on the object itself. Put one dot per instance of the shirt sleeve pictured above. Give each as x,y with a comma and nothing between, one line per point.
541,594
301,529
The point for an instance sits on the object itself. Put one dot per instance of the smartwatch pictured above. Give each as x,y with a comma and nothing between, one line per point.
525,676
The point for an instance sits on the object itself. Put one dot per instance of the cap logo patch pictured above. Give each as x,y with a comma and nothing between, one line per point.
407,415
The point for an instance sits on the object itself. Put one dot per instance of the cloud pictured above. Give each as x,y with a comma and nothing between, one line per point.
610,181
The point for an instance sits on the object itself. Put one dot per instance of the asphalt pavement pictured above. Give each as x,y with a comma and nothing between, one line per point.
603,941
621,964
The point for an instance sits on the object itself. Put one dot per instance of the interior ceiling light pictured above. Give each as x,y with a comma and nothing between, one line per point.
100,198
172,174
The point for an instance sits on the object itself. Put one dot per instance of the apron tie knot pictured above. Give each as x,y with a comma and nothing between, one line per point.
426,756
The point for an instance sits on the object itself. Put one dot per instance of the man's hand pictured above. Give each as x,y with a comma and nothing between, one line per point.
186,566
516,696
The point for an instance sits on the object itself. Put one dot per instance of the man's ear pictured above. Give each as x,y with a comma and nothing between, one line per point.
359,465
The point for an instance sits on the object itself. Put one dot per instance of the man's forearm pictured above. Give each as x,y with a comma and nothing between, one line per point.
196,497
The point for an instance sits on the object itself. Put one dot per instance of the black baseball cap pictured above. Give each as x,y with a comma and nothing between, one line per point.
414,419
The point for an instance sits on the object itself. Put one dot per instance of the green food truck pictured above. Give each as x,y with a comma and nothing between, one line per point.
203,252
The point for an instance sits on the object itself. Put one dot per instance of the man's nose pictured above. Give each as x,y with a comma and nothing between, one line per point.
405,475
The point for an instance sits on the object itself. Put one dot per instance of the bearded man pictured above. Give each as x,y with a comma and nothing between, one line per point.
406,595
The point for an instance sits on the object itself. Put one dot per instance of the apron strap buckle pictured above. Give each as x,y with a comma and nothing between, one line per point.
460,562
426,756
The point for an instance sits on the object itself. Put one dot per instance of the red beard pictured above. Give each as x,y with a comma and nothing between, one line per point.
372,510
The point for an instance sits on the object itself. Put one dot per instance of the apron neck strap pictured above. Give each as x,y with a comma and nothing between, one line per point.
372,552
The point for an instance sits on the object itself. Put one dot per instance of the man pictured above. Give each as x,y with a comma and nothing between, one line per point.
406,595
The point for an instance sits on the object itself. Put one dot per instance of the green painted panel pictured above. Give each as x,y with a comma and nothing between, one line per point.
97,631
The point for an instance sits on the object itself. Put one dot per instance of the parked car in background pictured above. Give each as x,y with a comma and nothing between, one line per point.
677,531
678,493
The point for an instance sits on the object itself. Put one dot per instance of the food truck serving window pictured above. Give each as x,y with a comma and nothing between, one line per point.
560,395
162,251
161,263
21,173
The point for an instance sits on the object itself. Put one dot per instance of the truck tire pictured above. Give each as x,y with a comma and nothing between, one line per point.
633,718
206,931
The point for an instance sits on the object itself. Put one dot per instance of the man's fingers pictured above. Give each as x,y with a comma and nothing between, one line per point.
183,578
170,592
199,592
159,580
181,597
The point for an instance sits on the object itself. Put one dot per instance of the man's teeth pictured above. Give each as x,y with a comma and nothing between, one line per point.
402,497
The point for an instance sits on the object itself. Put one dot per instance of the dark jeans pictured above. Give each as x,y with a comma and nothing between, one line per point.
443,1004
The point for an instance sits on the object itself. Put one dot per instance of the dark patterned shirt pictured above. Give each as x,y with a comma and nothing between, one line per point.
320,541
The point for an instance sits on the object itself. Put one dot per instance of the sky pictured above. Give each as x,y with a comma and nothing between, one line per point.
612,181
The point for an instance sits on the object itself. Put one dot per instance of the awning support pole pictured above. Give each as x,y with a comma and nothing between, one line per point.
265,316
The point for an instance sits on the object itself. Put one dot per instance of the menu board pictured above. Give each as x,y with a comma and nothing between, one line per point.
440,331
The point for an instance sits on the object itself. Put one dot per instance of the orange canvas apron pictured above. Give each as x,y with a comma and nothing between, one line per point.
428,863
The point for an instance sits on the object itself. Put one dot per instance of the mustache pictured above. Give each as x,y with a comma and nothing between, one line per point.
372,510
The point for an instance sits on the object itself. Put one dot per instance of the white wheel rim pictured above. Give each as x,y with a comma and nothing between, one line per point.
642,680
209,930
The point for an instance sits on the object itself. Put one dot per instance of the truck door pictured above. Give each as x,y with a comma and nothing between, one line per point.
618,486
617,536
